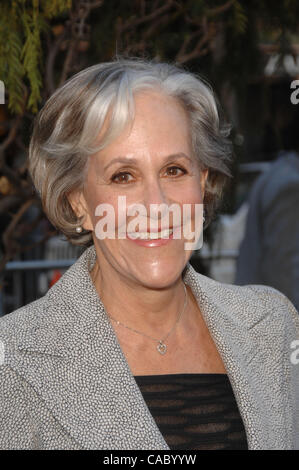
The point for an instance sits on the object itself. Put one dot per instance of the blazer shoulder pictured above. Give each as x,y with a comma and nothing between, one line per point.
251,303
278,302
25,315
272,295
16,325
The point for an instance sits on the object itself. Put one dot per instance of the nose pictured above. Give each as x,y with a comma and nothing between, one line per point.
154,195
153,192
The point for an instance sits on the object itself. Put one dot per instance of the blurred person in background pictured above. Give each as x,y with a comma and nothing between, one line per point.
269,251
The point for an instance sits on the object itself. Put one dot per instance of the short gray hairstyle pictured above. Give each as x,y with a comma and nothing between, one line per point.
65,129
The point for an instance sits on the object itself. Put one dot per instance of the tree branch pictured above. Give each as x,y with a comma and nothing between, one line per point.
199,50
220,9
49,79
144,19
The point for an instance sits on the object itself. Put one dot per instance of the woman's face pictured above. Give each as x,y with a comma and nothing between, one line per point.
150,163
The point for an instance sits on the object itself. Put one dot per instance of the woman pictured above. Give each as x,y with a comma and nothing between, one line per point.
131,348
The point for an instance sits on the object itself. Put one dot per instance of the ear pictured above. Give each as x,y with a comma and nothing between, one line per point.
80,207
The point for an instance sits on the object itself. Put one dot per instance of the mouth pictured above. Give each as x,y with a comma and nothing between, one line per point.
151,235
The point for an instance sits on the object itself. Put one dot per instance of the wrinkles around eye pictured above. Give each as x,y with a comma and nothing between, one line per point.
119,177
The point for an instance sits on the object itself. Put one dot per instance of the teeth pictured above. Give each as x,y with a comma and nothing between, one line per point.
151,236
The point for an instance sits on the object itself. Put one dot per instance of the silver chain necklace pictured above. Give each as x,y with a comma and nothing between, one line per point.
161,346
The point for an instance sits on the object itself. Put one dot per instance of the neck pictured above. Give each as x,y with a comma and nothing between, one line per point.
137,306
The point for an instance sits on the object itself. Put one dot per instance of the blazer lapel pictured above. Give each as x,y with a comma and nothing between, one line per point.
241,326
73,360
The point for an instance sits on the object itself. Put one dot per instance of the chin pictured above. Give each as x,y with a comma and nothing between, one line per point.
162,274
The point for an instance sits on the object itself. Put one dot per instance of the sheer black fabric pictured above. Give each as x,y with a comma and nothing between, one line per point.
194,411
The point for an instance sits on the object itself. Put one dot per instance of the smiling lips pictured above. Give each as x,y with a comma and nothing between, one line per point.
152,239
151,235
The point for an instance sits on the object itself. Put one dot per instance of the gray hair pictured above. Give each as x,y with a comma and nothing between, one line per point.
65,129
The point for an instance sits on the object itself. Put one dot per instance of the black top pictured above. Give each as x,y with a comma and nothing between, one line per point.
194,411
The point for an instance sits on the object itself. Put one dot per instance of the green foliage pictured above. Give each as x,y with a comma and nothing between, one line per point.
11,68
22,24
33,25
239,18
56,7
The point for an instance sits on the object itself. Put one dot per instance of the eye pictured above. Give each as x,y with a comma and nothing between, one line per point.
173,170
121,177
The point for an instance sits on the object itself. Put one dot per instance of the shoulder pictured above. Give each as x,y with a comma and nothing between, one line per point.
274,297
39,321
17,325
278,303
261,302
247,305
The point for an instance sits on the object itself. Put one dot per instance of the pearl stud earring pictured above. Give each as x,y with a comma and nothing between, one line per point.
79,229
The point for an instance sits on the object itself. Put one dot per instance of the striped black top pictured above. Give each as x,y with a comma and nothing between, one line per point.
194,411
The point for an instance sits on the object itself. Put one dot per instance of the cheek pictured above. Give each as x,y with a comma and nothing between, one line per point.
190,194
94,197
102,197
192,203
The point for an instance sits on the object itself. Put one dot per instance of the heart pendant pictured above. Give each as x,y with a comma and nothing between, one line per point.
161,347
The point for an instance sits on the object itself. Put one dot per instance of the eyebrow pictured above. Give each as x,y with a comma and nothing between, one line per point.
134,160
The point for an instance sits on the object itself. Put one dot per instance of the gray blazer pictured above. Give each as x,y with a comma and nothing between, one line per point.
65,383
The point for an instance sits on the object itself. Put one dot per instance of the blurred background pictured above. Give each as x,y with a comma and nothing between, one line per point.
248,50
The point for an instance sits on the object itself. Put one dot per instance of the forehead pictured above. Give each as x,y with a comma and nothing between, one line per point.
165,109
160,122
